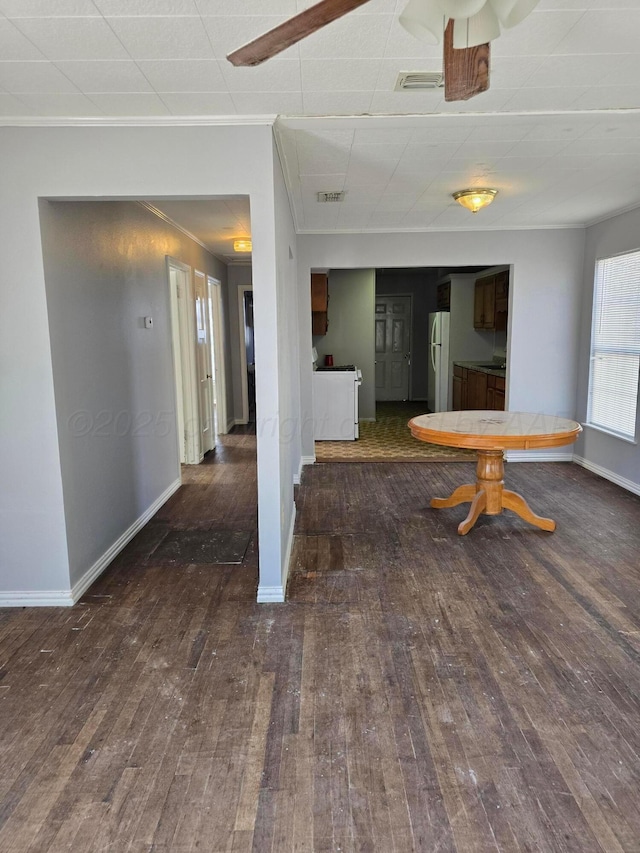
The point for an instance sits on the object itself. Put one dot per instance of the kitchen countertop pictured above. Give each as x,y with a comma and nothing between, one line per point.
482,367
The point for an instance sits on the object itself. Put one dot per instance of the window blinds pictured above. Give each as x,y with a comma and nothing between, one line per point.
615,345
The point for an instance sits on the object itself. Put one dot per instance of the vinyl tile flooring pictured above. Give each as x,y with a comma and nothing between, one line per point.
419,691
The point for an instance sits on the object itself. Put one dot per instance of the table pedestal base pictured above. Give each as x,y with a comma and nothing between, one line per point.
489,497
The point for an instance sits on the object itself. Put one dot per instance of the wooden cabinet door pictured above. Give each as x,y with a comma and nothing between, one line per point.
489,304
457,394
319,291
319,303
477,390
478,305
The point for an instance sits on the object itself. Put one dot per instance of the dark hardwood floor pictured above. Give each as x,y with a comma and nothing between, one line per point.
420,691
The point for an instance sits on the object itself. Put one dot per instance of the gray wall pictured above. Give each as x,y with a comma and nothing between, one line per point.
351,335
105,270
421,285
613,457
118,162
545,300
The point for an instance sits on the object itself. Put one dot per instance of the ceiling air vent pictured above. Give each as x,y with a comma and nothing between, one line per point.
334,196
409,81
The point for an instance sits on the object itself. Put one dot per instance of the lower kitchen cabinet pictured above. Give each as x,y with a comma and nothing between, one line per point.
475,390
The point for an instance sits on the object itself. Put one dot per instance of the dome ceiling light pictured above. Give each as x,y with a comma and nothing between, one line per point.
475,199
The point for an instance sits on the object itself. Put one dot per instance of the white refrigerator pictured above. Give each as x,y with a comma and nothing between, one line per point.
438,381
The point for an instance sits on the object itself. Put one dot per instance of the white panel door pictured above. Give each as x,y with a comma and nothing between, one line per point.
393,347
204,364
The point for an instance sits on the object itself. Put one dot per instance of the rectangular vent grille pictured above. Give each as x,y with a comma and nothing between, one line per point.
412,80
331,197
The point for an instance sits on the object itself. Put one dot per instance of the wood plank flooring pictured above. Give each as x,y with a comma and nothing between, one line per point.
419,691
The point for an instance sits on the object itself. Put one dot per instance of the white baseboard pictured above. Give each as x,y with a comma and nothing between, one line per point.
308,460
237,422
40,598
81,586
297,477
68,597
276,594
537,456
270,594
629,485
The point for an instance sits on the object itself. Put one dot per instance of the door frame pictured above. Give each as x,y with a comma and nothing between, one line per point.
200,280
244,382
216,316
393,296
184,366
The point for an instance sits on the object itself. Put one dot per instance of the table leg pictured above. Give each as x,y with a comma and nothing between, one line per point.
516,503
478,506
489,497
461,495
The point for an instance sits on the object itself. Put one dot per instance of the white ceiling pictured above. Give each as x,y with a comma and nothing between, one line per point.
558,133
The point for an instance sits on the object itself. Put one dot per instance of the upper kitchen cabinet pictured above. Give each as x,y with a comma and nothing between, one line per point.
443,298
491,301
319,303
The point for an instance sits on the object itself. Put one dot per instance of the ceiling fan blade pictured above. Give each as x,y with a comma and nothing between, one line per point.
292,31
466,70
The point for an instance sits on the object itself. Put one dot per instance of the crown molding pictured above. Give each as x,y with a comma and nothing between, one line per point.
136,121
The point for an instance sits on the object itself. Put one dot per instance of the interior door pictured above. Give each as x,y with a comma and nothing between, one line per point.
393,347
204,364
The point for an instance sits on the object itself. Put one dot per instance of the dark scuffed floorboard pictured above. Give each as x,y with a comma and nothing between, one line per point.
419,691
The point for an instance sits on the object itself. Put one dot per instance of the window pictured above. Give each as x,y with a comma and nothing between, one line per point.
615,345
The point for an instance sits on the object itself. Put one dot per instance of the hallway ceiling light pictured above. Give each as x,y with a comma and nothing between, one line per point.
242,245
475,199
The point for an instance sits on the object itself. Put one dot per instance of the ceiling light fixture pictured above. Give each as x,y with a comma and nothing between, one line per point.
242,245
475,21
475,199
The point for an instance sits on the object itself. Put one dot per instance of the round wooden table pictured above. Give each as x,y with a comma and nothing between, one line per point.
490,434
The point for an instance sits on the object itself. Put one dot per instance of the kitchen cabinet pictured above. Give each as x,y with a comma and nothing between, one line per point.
460,387
476,390
495,393
319,303
443,297
491,301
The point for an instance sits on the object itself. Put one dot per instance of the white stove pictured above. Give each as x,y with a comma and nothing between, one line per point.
335,402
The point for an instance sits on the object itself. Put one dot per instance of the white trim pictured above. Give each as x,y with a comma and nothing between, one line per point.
173,223
308,460
277,594
270,595
68,597
42,598
560,226
629,485
297,477
220,366
136,121
82,585
244,383
537,456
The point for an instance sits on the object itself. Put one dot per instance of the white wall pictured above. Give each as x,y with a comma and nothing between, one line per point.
545,300
105,270
101,162
277,399
612,457
350,337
